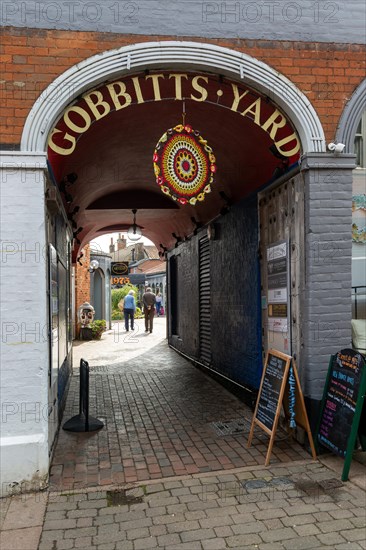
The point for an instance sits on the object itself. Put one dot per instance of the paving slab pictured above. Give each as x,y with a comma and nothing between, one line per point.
237,522
161,475
18,539
163,417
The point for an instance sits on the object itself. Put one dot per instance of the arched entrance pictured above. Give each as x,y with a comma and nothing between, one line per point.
177,55
243,108
99,294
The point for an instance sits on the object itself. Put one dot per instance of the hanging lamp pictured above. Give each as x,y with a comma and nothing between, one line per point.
134,232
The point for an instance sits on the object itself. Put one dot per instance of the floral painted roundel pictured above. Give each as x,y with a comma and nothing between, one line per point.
184,165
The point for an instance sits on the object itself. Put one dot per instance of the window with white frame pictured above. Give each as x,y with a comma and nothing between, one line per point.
360,142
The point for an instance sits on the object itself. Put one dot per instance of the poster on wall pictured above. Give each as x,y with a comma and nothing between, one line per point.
278,299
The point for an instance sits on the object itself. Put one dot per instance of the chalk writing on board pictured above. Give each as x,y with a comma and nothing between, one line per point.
340,401
270,391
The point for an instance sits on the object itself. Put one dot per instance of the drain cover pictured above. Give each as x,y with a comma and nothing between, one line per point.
329,484
230,427
121,497
253,484
311,487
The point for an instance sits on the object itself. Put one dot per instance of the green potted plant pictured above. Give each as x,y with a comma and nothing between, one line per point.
98,327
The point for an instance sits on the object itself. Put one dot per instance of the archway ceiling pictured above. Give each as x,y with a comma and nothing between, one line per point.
113,161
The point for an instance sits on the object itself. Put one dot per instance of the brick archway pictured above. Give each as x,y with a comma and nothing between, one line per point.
169,54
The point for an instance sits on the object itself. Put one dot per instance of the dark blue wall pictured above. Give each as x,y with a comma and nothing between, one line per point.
235,313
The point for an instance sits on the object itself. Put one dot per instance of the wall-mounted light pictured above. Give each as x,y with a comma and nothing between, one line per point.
211,232
337,148
178,239
197,225
228,202
68,180
94,264
134,232
70,216
75,211
76,233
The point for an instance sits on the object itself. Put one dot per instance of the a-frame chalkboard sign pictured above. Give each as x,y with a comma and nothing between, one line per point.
342,405
274,393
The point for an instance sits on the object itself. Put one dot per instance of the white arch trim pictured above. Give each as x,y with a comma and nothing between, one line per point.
191,56
350,118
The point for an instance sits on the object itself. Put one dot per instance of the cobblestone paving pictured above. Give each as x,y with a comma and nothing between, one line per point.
158,412
294,506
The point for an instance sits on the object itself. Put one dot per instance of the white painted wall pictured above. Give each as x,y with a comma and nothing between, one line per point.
24,326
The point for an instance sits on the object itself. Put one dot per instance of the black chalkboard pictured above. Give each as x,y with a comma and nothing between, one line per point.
270,390
340,400
275,384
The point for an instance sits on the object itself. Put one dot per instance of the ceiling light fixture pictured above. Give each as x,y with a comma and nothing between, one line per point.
134,232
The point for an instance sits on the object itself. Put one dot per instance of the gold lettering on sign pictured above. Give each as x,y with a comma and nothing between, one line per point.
94,106
286,140
57,148
115,95
255,110
237,97
275,125
178,83
196,86
72,125
136,84
156,87
121,94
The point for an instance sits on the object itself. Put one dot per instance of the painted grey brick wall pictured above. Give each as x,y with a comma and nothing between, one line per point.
305,20
326,303
24,373
187,299
234,296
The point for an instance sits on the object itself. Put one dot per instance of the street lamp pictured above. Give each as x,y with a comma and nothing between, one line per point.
94,264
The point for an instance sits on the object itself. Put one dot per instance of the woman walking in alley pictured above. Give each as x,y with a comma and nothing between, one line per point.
158,302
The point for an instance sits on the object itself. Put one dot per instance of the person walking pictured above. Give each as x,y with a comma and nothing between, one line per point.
129,308
149,300
158,302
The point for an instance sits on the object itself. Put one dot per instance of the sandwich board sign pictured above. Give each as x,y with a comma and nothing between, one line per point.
279,389
342,405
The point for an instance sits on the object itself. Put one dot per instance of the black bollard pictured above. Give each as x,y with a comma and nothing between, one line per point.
82,422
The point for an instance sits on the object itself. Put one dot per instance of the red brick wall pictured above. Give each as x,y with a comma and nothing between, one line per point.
32,59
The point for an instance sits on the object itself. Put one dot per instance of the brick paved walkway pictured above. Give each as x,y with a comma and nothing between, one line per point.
111,490
292,506
159,412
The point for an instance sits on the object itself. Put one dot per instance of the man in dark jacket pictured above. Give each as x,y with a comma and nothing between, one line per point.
149,300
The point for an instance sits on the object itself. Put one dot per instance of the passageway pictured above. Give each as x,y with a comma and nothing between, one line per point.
163,417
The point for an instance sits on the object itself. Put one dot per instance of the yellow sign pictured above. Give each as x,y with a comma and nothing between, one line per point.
99,103
120,280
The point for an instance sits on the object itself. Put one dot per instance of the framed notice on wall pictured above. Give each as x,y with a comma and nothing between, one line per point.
278,295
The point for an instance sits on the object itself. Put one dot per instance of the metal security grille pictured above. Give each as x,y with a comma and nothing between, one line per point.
205,305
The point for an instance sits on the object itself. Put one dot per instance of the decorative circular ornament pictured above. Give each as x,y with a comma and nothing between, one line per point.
184,165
